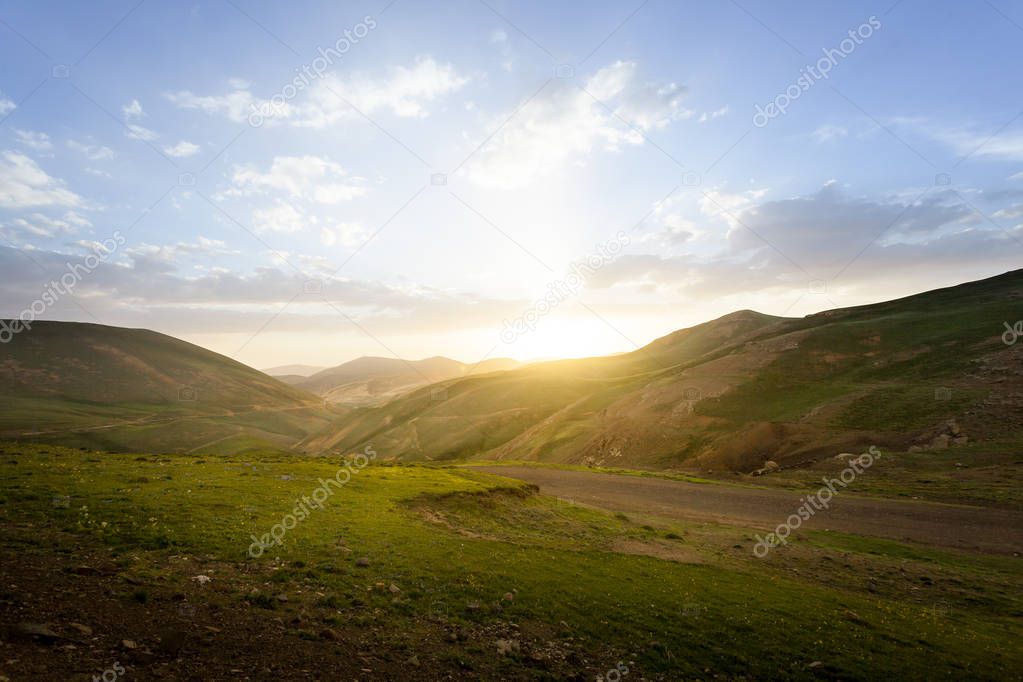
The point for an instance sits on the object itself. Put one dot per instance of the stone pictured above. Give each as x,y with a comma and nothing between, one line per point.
84,629
37,631
362,562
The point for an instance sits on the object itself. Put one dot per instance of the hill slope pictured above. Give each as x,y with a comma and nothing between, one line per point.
736,391
133,388
369,381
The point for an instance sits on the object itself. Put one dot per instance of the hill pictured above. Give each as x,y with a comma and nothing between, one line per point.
369,381
736,392
118,388
293,370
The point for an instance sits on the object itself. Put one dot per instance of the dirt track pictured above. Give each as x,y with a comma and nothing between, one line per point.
973,528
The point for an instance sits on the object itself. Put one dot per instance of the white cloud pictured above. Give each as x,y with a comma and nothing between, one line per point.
711,115
404,91
300,177
92,151
38,141
564,125
181,149
282,217
6,105
39,225
23,184
828,132
498,36
137,132
1017,176
235,105
132,109
1003,146
165,258
348,234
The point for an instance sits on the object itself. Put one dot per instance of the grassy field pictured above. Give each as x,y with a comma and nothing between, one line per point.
476,575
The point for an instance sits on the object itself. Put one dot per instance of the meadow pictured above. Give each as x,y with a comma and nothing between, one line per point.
444,571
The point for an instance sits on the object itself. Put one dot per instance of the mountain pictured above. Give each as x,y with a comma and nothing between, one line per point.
118,388
301,371
373,380
735,392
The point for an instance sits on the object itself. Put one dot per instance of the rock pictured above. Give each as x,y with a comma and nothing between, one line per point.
362,562
507,646
508,596
844,455
953,428
38,631
413,661
960,440
282,598
330,635
915,448
394,588
770,465
472,606
940,442
129,644
84,629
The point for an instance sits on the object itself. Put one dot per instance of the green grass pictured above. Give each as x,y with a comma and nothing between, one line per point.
450,537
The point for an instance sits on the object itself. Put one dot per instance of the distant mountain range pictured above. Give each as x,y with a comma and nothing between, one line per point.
293,370
373,380
930,372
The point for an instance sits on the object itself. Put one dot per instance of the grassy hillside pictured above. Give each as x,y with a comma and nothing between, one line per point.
120,388
427,573
737,391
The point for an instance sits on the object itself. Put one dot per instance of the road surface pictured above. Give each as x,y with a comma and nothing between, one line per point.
963,527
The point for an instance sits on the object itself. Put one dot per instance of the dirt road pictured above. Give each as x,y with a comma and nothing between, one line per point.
973,528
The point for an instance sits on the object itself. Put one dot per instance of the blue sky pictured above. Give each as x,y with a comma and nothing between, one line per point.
328,232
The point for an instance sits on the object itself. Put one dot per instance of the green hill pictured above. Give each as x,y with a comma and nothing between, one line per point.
735,392
118,388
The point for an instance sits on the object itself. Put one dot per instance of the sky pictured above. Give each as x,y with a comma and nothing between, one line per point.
309,182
